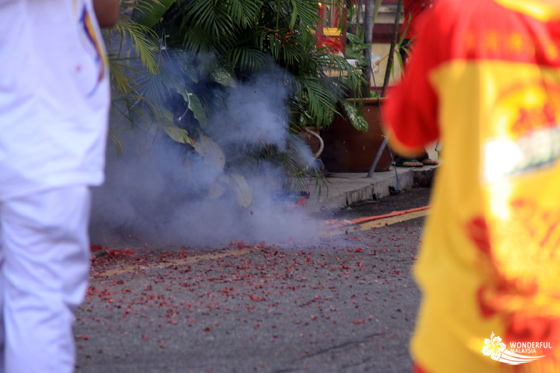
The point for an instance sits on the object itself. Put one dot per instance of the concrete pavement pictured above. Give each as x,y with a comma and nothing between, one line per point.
343,303
345,189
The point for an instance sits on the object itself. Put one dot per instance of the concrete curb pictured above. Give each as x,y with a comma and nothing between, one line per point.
344,189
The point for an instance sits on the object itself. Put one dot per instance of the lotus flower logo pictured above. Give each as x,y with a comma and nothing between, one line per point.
493,347
497,350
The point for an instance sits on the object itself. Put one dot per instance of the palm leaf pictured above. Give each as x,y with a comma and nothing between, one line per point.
143,40
248,58
150,12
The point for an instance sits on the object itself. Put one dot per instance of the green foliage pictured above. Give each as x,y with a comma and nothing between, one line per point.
352,113
177,60
197,109
242,190
133,60
376,7
151,12
178,134
358,49
228,41
243,35
211,152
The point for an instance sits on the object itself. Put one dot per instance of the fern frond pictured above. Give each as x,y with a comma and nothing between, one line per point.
144,41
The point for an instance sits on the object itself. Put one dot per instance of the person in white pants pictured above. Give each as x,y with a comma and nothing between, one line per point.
54,101
45,262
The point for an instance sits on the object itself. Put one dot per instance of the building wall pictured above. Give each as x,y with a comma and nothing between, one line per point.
382,34
382,50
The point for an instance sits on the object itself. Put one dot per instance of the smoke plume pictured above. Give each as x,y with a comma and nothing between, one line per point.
166,195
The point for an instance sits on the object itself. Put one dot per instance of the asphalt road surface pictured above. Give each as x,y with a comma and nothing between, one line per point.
344,303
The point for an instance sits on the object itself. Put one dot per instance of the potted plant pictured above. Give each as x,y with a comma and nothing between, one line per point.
208,49
352,146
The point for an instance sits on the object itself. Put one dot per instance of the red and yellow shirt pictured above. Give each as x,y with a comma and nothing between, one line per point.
412,11
485,78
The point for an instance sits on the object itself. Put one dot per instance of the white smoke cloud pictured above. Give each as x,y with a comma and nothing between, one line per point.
161,192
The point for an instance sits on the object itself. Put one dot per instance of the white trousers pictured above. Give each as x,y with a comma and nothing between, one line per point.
44,258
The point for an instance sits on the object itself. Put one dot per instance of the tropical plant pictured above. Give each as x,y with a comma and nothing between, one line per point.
359,46
203,47
242,36
133,54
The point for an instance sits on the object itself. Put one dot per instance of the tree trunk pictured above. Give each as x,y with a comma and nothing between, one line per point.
392,49
368,32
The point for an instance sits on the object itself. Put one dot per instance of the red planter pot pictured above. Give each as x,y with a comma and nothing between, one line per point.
350,150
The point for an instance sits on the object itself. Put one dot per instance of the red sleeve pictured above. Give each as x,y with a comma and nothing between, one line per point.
411,108
413,12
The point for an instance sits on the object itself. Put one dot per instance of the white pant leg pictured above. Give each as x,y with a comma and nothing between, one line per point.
45,273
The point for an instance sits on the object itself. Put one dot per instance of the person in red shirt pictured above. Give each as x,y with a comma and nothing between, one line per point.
485,78
413,10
